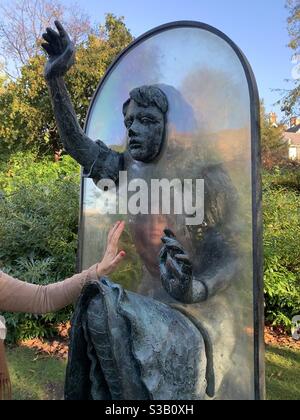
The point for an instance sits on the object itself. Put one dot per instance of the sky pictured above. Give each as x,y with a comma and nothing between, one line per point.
258,27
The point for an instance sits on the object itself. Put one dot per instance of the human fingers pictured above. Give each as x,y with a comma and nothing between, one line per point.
112,243
117,233
118,258
110,266
112,229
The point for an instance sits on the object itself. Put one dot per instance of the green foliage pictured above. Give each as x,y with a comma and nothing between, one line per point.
273,148
282,245
38,230
39,198
130,272
26,117
290,101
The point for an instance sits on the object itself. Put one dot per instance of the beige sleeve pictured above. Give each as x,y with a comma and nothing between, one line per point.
18,296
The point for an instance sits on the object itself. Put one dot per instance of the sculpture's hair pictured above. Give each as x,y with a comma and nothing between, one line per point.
148,96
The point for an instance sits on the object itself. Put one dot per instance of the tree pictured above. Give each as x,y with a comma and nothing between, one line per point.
26,117
290,101
22,23
273,146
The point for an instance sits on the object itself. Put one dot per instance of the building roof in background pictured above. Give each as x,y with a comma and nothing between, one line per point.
293,138
294,129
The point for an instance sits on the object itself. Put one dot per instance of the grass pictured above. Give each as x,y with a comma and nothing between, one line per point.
282,373
35,378
43,378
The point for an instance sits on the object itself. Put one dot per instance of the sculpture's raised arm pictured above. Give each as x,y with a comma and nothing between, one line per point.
97,159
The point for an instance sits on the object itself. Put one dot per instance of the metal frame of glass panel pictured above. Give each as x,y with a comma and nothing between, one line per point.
258,308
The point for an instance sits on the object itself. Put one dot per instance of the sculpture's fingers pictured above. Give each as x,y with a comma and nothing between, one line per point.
172,244
183,257
61,30
174,267
186,265
163,253
48,48
46,37
68,55
52,35
163,272
169,233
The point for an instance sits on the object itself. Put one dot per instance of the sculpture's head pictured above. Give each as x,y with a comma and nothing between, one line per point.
145,119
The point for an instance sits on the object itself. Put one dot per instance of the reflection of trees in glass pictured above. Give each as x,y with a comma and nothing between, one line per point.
96,228
142,66
221,105
129,274
220,100
144,63
216,149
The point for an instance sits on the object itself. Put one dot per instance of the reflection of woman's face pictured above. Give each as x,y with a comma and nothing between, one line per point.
147,232
148,229
155,228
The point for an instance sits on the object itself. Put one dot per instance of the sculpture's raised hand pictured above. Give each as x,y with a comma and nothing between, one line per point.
60,50
175,268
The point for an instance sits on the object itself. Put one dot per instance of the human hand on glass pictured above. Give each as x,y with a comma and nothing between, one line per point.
112,256
60,50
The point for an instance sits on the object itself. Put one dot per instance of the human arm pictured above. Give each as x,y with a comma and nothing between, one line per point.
98,160
19,296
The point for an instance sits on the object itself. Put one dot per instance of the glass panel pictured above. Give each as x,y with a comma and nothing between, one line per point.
208,137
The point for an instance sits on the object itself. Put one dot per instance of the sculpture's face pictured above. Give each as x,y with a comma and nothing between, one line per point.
145,130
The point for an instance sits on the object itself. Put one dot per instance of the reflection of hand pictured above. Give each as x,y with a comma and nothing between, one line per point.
175,267
61,51
111,257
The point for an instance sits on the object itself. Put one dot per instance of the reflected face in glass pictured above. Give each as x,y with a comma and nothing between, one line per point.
147,233
145,131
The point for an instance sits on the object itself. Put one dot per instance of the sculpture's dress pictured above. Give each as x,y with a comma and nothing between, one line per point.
128,346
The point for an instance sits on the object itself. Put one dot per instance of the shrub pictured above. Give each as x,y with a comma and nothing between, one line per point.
281,203
38,236
38,230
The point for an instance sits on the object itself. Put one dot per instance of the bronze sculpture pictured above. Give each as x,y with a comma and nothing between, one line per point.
158,365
